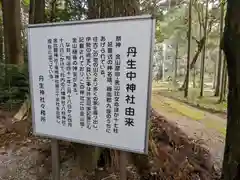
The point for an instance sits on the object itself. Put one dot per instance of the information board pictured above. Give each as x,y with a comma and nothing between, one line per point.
91,81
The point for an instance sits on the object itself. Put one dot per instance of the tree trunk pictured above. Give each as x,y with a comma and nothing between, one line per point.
53,11
163,61
31,11
5,33
12,31
175,66
39,13
194,77
224,82
194,60
204,52
106,8
219,75
231,47
215,74
1,42
225,85
200,44
189,48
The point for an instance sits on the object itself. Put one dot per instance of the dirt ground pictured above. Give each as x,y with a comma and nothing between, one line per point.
172,155
205,128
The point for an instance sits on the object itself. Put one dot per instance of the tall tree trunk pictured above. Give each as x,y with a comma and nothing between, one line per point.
189,47
175,66
231,47
31,11
39,13
224,82
194,77
194,60
113,8
1,41
53,10
215,75
219,75
12,31
5,33
225,86
163,61
204,51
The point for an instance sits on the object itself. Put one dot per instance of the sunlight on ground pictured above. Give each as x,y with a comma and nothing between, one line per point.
208,102
166,100
162,104
185,110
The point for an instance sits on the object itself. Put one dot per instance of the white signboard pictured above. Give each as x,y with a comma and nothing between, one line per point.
90,81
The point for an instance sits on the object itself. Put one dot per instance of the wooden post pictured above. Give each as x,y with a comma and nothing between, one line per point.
55,159
123,164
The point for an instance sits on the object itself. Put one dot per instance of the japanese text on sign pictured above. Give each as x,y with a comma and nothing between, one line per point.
90,82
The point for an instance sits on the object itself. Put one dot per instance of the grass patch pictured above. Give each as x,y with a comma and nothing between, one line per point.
185,110
165,104
213,124
180,108
209,102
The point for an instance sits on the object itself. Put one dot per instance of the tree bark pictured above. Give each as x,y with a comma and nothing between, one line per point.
53,11
114,8
200,43
224,82
204,52
12,31
31,11
189,48
219,75
215,74
175,66
39,13
194,77
1,42
194,60
163,61
225,86
5,33
231,47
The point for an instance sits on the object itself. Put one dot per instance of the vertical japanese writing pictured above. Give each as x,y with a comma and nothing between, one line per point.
74,64
50,59
82,81
109,88
62,82
117,86
88,82
42,99
56,76
118,41
103,55
130,86
69,87
95,82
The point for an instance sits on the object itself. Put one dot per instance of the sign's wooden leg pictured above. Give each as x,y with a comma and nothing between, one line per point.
123,165
55,159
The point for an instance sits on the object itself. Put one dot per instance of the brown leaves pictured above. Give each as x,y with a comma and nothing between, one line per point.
175,155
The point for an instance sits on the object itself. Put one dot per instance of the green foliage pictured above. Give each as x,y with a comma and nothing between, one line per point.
66,10
14,85
26,2
174,24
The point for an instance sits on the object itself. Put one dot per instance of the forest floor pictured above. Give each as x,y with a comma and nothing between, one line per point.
203,119
186,143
